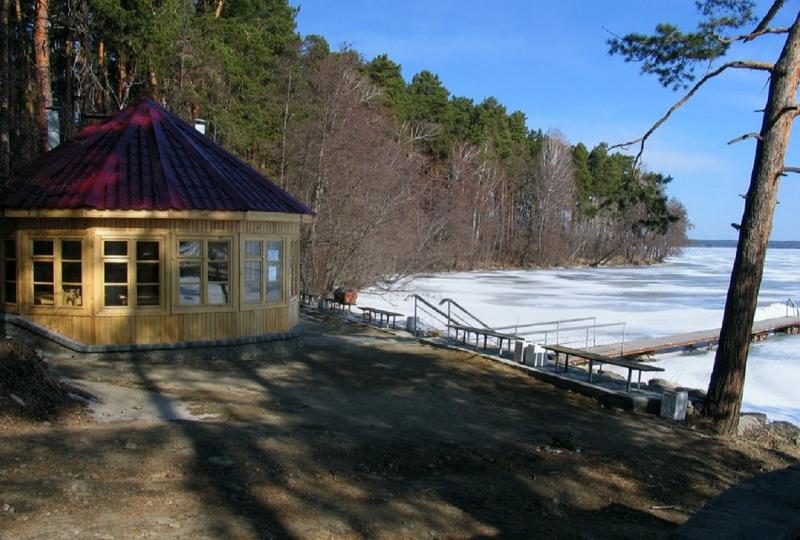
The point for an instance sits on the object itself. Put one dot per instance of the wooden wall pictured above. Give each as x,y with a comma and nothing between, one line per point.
169,322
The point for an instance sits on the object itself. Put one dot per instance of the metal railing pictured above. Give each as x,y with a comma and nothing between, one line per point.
559,325
559,332
460,315
792,308
585,335
423,306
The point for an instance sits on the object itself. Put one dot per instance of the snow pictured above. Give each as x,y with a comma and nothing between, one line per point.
685,294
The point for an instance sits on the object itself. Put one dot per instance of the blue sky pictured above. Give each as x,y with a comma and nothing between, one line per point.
549,60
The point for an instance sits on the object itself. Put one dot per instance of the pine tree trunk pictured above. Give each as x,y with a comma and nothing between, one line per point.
5,42
69,82
727,379
42,57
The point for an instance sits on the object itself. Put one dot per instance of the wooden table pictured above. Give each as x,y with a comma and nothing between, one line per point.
486,333
368,314
600,359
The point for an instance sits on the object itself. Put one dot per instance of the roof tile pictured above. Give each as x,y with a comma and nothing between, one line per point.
144,158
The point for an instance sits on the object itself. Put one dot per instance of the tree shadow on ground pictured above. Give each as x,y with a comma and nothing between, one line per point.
357,435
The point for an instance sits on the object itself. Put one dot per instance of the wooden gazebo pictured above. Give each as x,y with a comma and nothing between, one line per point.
141,230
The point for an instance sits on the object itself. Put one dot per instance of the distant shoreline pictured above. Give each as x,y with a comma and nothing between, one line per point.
776,244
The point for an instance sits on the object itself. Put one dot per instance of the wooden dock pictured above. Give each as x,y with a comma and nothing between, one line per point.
703,338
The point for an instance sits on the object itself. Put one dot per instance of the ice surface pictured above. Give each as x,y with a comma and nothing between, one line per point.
685,294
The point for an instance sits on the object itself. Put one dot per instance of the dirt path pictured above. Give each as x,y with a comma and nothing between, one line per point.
356,435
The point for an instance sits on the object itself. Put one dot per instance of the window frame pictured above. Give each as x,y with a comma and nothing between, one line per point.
4,280
56,259
264,301
204,260
131,260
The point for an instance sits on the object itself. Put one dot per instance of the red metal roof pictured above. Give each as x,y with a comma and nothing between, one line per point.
144,158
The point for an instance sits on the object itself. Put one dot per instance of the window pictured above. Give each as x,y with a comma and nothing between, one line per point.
148,273
10,271
204,272
57,273
71,273
263,271
294,267
131,273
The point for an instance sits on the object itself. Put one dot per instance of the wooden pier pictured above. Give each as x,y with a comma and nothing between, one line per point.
703,338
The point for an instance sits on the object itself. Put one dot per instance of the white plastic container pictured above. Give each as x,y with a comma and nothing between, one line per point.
520,348
535,355
674,404
411,324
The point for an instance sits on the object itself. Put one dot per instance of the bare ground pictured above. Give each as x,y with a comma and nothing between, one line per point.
354,434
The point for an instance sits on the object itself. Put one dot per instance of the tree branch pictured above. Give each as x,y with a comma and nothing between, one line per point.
795,170
762,24
737,64
751,135
753,35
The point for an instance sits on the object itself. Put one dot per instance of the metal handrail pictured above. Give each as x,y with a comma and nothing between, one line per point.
545,323
547,333
790,303
451,302
420,300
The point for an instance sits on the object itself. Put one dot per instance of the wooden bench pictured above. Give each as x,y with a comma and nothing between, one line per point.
309,299
368,314
600,359
331,303
486,333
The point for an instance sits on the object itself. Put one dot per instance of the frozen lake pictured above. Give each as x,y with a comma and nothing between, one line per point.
686,293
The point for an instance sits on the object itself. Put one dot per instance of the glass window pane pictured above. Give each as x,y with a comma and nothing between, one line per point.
218,251
252,281
274,248
71,272
273,290
189,283
115,248
10,270
72,295
274,273
147,251
252,292
11,292
71,250
116,272
9,249
189,248
42,247
43,271
217,271
189,272
116,295
252,271
43,295
217,293
274,281
189,294
147,273
252,248
147,295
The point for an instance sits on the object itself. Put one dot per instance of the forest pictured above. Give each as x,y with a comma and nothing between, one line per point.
404,176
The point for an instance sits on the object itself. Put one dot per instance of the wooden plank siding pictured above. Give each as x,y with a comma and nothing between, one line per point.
94,324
